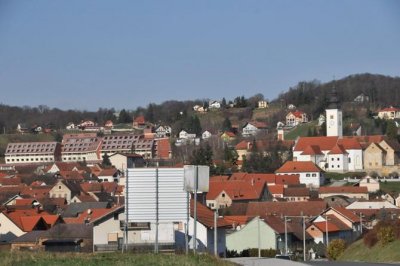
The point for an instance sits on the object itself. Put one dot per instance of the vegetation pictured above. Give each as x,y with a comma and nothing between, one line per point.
99,259
360,252
390,187
336,248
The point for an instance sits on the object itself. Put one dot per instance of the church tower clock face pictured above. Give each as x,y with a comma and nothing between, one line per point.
332,122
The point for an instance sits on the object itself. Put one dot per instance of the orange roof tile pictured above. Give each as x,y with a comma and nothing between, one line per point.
298,167
163,148
324,143
390,109
349,143
206,216
298,114
338,149
91,187
312,150
140,120
236,189
85,216
243,145
322,226
287,179
238,219
347,213
276,189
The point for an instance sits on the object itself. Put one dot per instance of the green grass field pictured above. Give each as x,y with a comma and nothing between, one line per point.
300,131
390,187
106,259
359,252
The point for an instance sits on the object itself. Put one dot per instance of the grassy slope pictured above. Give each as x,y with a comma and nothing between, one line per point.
300,131
359,252
115,259
390,187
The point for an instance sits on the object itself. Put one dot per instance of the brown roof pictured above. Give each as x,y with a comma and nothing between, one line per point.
298,167
276,189
324,143
338,149
163,148
31,147
339,190
118,142
91,186
296,192
219,178
292,179
312,150
72,143
10,181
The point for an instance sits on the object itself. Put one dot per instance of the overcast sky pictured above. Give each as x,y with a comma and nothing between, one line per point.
80,54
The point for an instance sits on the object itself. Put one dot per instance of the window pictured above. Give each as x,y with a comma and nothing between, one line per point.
349,160
338,166
338,159
59,187
314,175
223,195
332,159
307,175
116,216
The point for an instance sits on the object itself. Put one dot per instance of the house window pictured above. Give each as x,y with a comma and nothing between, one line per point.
314,175
338,166
332,159
115,216
307,175
59,187
349,160
338,159
223,195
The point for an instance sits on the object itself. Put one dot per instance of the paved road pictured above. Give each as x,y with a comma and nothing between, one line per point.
251,261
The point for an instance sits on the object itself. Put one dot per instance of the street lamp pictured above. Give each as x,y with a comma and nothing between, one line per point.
326,229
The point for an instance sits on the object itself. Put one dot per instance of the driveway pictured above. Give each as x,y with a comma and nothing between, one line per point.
254,261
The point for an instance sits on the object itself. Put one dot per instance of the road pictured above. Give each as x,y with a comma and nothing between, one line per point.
252,261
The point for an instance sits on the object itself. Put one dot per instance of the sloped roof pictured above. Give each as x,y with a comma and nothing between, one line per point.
338,149
296,192
85,216
309,208
343,189
206,216
140,120
298,114
219,178
312,150
163,148
237,219
324,143
349,143
292,179
91,186
236,189
298,167
390,109
243,145
108,172
10,181
74,209
31,147
322,226
347,213
276,189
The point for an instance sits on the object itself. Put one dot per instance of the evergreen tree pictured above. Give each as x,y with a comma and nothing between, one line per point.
223,103
391,130
226,125
124,117
106,161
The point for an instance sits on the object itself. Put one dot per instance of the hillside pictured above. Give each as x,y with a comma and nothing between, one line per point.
99,259
359,252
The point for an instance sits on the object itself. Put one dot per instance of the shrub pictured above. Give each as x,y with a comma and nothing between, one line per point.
336,248
266,253
385,235
370,238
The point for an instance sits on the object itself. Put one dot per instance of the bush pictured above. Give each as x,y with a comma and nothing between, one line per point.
253,252
386,235
336,248
370,239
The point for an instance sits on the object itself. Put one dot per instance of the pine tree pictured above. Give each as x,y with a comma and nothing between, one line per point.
106,161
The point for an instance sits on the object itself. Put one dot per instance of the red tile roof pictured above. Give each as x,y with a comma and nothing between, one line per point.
296,192
338,149
236,189
140,120
349,143
339,190
324,143
312,150
322,226
390,109
86,216
287,179
276,189
38,192
10,181
298,114
298,167
347,213
24,202
71,175
206,216
91,187
219,178
27,219
108,172
243,145
236,220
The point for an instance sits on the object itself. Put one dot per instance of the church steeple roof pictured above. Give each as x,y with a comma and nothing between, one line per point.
333,99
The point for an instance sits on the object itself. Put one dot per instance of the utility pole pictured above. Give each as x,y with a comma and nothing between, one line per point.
286,251
361,225
326,228
196,184
157,211
215,232
259,237
304,238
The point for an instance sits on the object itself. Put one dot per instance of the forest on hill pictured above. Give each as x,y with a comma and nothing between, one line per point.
308,96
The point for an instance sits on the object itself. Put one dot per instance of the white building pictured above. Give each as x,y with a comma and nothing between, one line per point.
389,113
309,174
206,135
32,152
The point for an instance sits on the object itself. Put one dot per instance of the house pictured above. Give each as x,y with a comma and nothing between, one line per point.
296,194
355,129
185,135
86,123
370,183
321,120
110,175
139,122
59,167
17,222
310,174
205,230
248,235
335,223
389,113
68,238
389,198
223,194
262,104
214,105
276,191
109,124
163,131
291,107
361,98
295,118
199,109
32,152
22,129
123,161
228,136
344,191
65,189
206,135
253,128
81,147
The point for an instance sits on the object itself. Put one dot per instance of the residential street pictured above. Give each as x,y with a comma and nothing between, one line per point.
253,261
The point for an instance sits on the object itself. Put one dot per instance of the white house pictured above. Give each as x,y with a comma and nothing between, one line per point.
321,120
310,174
70,126
389,113
163,131
185,135
214,105
253,128
206,135
262,104
295,118
370,183
338,159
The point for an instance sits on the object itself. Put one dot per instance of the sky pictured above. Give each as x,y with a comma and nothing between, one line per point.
86,54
